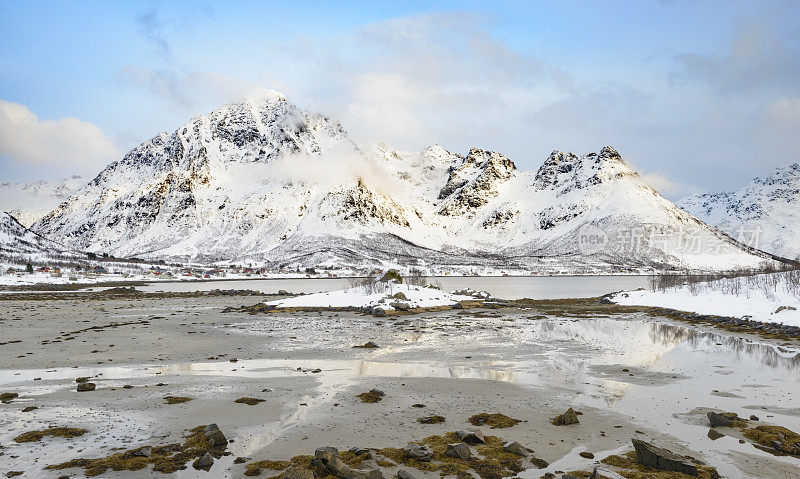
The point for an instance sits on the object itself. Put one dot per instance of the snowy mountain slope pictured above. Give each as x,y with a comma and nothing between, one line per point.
262,180
766,212
18,242
28,202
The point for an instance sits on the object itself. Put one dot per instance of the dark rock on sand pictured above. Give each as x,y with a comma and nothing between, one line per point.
214,436
569,417
472,437
515,448
416,451
754,417
719,420
83,387
459,450
329,458
369,464
658,458
325,453
404,474
146,451
204,462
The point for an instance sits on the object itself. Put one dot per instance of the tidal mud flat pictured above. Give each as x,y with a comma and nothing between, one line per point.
630,373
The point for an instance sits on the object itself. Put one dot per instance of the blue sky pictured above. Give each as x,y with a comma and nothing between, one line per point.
696,95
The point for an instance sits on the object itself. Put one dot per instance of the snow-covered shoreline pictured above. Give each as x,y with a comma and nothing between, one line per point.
768,298
387,297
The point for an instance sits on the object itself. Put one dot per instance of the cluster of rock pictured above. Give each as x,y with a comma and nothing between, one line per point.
328,459
215,439
662,459
84,385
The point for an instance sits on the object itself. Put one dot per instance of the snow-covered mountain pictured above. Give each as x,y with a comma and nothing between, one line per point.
19,243
765,213
262,180
28,202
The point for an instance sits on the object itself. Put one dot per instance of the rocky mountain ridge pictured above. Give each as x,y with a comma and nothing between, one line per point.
260,180
764,213
28,202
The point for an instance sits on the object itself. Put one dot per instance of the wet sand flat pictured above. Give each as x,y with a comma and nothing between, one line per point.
630,375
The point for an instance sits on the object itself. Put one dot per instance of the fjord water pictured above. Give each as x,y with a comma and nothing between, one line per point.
506,287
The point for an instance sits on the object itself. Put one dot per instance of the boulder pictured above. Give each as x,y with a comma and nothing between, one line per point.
204,462
404,474
569,417
379,312
214,436
328,457
298,473
338,468
146,451
753,417
369,464
84,387
472,437
325,453
719,420
419,452
400,306
662,459
459,450
515,448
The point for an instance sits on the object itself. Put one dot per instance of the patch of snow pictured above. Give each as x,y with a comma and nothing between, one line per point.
358,297
757,297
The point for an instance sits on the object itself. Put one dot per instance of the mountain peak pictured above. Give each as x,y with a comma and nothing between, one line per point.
570,169
610,153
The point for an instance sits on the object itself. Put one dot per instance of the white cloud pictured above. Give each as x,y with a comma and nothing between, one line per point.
412,81
67,144
660,183
784,112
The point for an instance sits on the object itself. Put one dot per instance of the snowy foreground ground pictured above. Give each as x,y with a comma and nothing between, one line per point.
769,298
398,296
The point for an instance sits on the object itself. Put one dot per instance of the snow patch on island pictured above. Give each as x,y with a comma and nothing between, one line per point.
394,297
769,298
